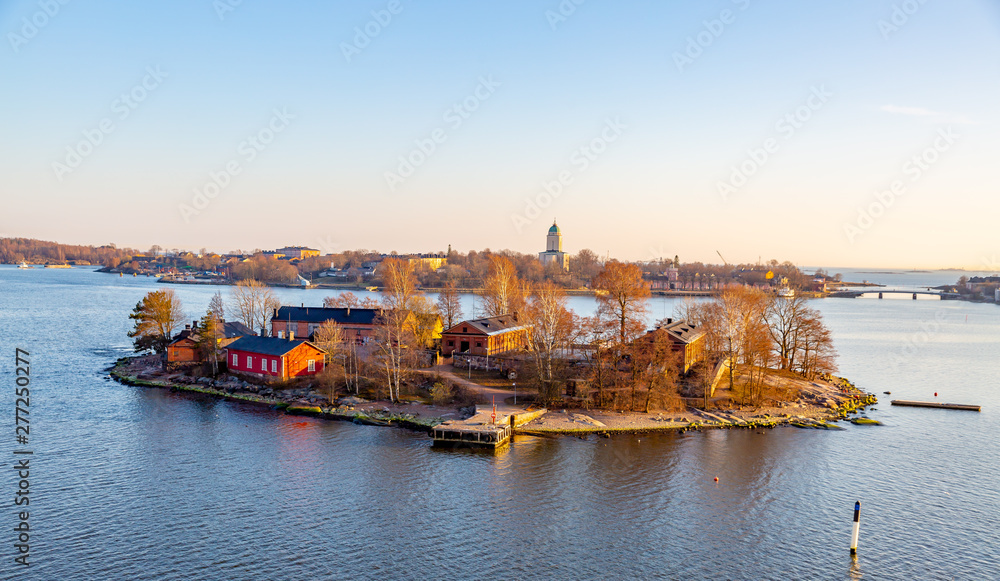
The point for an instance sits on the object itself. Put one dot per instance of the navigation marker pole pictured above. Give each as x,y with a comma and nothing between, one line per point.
857,526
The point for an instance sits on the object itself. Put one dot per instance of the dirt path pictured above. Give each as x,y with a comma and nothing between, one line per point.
487,393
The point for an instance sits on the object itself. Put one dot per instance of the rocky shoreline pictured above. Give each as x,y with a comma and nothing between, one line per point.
303,402
834,400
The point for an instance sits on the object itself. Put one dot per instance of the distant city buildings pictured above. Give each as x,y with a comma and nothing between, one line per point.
292,252
421,261
553,249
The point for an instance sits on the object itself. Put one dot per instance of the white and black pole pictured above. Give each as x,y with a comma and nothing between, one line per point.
857,527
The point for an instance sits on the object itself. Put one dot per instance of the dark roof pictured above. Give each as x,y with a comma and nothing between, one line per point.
490,325
682,331
186,333
235,329
267,345
343,316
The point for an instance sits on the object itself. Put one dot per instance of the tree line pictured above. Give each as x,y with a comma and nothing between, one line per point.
17,250
610,354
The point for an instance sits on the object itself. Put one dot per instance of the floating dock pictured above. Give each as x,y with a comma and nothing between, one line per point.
932,404
483,430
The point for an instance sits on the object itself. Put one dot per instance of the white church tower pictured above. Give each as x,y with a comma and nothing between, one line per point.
553,249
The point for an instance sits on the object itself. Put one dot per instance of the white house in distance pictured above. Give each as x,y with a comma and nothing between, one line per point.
553,249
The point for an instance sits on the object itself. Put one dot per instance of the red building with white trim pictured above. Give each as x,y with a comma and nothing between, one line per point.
273,357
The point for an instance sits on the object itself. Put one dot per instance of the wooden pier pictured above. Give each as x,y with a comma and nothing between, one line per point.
483,430
489,436
933,404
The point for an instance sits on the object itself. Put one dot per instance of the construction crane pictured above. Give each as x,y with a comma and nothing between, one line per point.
722,257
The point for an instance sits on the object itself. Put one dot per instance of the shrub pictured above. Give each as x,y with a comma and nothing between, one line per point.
441,393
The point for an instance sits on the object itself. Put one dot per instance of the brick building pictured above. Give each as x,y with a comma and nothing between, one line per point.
488,336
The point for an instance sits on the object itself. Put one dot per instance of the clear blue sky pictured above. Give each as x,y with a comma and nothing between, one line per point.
666,122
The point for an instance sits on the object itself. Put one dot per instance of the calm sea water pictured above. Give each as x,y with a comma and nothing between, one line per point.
132,483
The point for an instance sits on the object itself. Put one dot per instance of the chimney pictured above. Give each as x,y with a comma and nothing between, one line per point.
275,315
348,310
669,320
187,327
194,324
291,335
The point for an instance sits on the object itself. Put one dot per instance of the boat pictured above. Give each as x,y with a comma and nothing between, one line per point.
786,292
24,265
371,289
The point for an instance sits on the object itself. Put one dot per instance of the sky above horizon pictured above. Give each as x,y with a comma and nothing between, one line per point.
855,133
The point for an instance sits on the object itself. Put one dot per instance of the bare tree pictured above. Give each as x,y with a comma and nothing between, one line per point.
253,303
656,368
815,347
217,307
450,305
784,321
600,336
732,322
503,292
395,335
622,297
330,337
156,316
348,299
553,328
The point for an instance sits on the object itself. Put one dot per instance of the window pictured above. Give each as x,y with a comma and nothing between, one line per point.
465,329
235,360
274,366
263,364
451,343
249,363
312,365
479,344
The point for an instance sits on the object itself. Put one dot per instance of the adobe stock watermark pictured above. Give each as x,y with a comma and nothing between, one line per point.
785,127
31,26
900,15
710,32
914,169
992,264
326,245
122,106
224,7
562,12
454,117
580,161
917,340
363,35
246,152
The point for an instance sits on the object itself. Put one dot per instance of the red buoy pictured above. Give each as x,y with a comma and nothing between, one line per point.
935,394
716,478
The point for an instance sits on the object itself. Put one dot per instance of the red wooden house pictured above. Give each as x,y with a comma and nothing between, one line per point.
274,357
184,348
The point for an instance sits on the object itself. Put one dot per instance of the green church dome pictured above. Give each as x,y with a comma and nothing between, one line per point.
554,229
